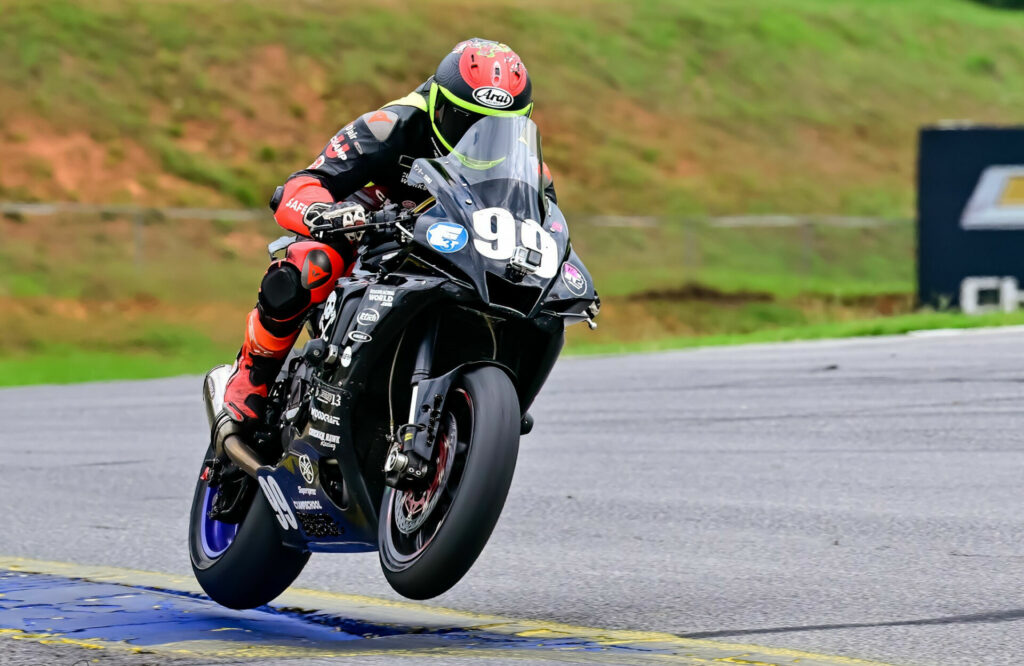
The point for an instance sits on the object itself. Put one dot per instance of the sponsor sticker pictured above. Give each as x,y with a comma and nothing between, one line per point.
337,149
329,315
496,98
317,163
447,237
303,490
327,397
381,295
359,336
346,357
367,316
418,170
324,417
296,205
574,280
327,439
307,505
306,468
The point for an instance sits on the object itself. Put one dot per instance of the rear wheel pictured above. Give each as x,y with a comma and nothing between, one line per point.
429,539
243,565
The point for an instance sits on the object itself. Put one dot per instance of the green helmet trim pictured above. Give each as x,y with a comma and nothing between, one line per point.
469,106
475,164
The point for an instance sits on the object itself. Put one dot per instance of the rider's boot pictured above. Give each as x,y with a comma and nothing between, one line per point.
259,361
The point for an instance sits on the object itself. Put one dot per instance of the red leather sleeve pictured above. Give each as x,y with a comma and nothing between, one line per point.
548,182
299,192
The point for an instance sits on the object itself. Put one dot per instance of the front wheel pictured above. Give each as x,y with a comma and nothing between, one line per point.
429,539
239,566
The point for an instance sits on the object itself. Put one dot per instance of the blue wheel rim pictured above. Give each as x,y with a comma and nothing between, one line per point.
217,536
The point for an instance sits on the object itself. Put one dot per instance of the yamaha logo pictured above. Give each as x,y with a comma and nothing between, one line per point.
306,468
496,98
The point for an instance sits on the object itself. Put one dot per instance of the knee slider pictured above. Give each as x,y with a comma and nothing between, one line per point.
282,296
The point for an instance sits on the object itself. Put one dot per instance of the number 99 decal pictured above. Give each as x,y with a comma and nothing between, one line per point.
495,231
278,503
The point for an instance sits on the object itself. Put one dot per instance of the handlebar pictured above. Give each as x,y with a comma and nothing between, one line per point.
384,222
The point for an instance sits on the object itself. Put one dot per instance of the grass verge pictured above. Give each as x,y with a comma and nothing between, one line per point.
56,366
76,365
662,106
847,329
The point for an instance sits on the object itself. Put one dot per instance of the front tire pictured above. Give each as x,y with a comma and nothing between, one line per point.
240,566
421,555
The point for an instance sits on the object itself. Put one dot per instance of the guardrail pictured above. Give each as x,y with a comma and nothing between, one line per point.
693,229
617,221
142,212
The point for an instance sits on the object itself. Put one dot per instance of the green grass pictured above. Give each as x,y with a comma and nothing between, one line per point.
847,329
62,366
662,106
177,289
674,108
783,262
185,261
72,365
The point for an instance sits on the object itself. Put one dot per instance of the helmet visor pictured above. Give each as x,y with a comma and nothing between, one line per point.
453,121
452,117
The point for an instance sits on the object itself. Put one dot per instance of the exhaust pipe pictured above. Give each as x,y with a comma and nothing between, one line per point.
241,454
226,434
214,386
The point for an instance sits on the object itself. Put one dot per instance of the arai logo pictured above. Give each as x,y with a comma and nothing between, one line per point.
496,98
447,237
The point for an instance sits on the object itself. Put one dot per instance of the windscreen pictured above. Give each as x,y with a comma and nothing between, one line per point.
490,211
500,148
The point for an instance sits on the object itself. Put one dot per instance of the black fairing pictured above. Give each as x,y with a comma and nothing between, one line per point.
350,392
476,197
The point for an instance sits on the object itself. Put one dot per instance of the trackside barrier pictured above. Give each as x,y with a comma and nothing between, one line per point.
803,229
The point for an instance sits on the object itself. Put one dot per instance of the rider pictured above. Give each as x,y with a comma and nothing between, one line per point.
363,167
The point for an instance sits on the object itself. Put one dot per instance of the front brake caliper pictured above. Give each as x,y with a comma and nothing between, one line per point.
405,470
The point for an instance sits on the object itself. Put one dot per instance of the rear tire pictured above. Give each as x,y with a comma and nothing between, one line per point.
485,407
254,567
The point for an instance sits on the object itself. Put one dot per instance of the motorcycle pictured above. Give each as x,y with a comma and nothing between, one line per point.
396,428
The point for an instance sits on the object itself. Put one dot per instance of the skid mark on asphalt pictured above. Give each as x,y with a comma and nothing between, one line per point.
118,609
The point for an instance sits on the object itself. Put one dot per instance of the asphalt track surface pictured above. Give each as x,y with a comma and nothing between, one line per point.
853,498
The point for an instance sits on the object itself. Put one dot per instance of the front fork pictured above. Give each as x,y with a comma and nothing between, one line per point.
408,462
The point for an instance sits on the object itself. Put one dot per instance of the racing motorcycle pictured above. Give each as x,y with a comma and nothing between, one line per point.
396,427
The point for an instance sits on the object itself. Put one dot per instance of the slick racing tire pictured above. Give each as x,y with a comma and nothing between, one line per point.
429,540
245,565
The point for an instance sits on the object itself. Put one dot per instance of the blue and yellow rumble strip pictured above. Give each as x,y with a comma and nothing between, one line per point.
117,609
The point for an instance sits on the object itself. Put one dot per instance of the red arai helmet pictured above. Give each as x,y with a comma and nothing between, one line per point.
478,78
